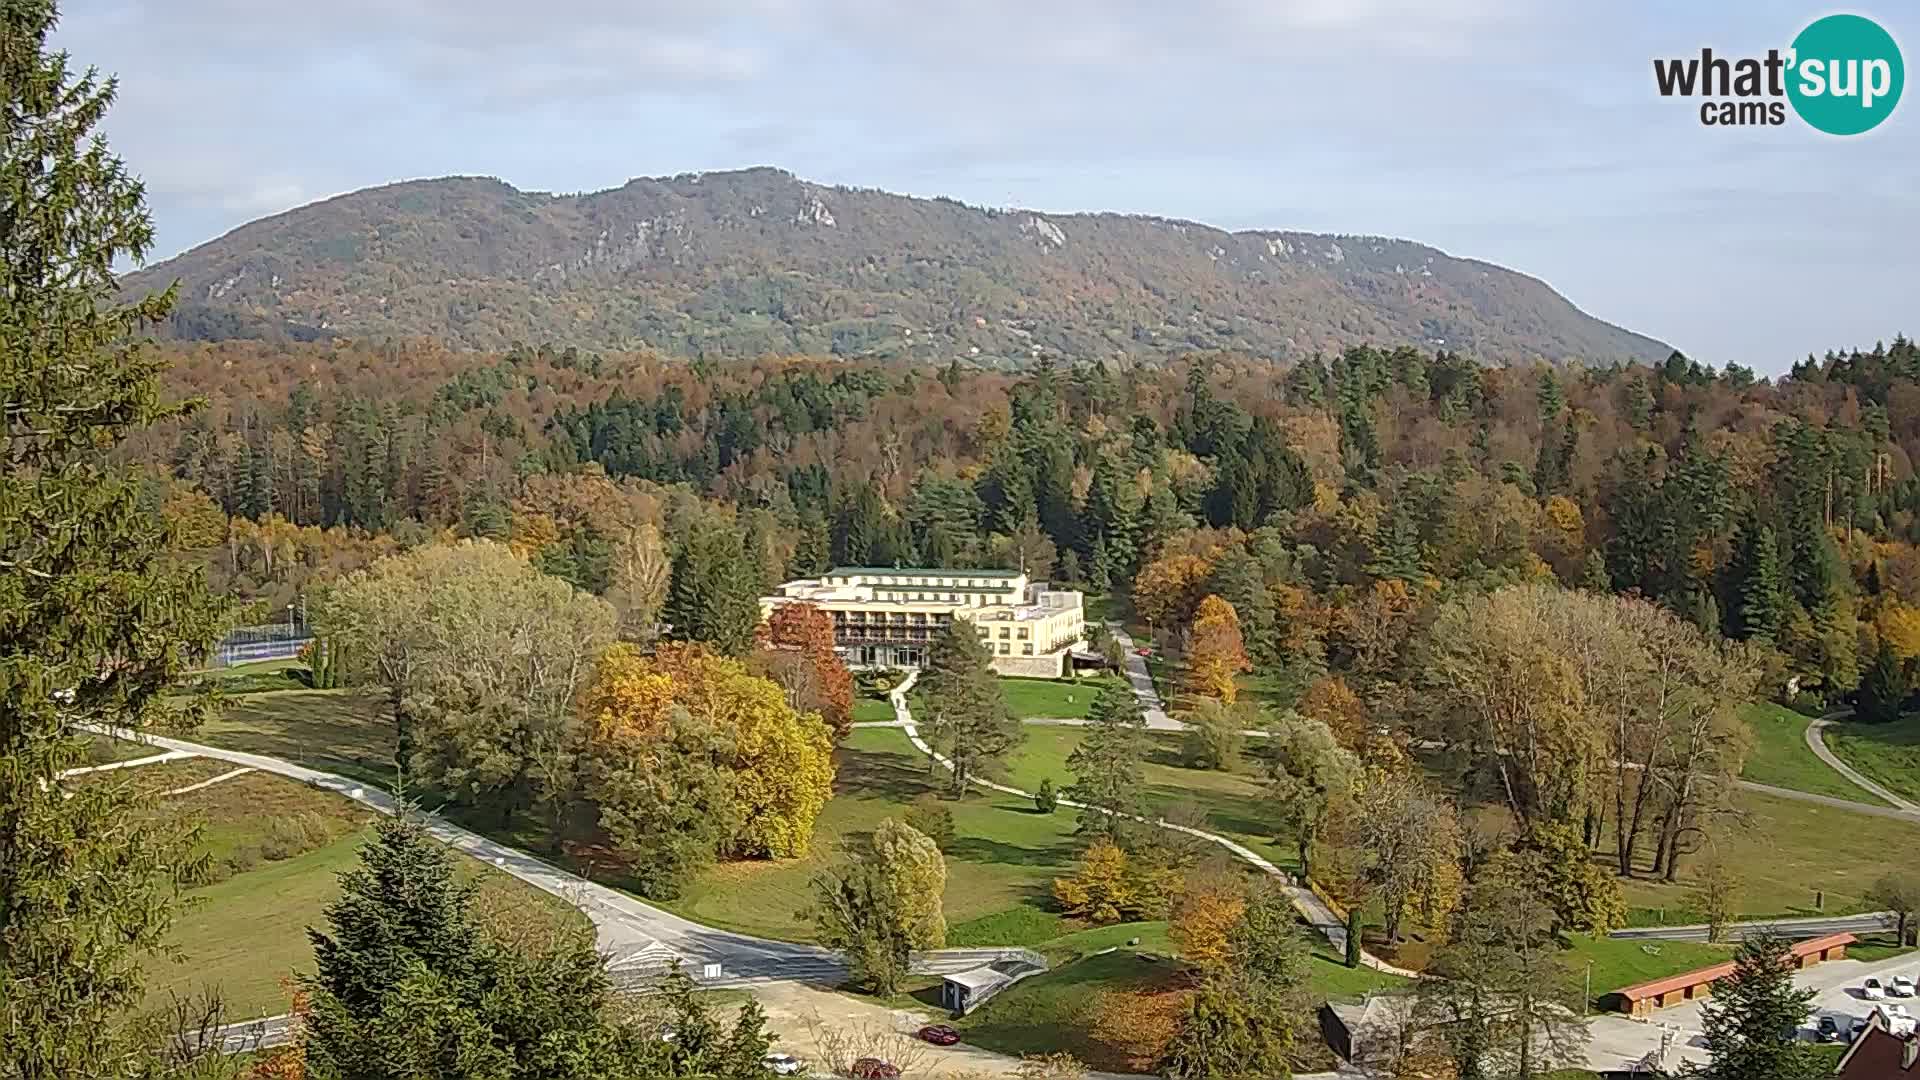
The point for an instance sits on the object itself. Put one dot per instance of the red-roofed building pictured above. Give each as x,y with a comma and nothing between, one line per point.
1643,999
1878,1054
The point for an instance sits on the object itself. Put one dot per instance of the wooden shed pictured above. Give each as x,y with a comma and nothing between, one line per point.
1643,999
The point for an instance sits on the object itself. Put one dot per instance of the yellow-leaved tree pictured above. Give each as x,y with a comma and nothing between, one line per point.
692,756
1204,919
1215,651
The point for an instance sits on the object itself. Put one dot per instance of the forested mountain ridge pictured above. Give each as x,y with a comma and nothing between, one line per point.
757,262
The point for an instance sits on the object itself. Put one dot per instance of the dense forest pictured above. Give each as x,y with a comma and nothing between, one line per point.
1774,510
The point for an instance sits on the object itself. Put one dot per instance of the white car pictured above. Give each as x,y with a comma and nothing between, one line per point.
1901,986
782,1064
1873,991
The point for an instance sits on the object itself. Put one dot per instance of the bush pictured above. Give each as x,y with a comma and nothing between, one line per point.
296,835
932,817
1213,739
1045,800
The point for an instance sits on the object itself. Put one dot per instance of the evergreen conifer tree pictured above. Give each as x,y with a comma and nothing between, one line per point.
97,618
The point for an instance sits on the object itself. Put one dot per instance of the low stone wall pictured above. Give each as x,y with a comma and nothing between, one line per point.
1031,667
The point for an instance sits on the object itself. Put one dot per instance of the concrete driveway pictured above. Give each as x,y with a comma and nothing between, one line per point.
1619,1041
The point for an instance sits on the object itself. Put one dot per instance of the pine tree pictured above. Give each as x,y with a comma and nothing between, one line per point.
1594,576
967,715
1762,611
97,618
1884,689
714,593
1752,1021
1106,764
408,984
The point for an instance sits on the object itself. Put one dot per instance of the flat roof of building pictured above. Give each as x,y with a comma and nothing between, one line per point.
947,570
1720,971
975,978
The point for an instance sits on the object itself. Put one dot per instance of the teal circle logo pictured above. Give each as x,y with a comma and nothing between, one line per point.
1845,74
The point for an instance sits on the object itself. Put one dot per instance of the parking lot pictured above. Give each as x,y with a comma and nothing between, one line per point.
1618,1042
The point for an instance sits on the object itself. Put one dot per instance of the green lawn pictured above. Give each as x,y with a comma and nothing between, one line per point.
1888,754
1055,1011
1004,855
1231,803
1780,757
1051,698
341,731
1784,851
1617,963
247,931
104,750
867,710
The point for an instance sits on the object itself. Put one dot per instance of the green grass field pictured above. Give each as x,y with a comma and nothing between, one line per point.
1617,964
1888,754
872,710
1056,1010
1004,855
1231,803
1051,698
1784,851
1780,757
341,731
246,932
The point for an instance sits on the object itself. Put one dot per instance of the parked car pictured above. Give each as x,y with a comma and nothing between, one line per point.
1901,986
1856,1028
1143,651
1873,991
940,1034
782,1064
1826,1028
874,1069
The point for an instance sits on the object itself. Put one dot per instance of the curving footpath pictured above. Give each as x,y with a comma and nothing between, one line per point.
1311,907
1818,744
636,936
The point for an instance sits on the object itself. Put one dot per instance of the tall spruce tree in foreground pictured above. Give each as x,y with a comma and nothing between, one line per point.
966,714
410,986
1752,1021
95,619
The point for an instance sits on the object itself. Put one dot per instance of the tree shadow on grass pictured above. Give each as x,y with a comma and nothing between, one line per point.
975,849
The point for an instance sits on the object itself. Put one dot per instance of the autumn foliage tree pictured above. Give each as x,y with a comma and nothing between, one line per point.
1167,590
798,655
694,756
1215,651
1204,919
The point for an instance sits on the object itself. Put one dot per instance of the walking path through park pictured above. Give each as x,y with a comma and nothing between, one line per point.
1311,907
1818,744
638,937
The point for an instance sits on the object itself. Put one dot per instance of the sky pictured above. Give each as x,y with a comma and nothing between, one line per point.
1524,132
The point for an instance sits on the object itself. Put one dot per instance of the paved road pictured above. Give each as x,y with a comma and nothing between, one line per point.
1142,682
1818,744
1793,928
635,935
1619,1041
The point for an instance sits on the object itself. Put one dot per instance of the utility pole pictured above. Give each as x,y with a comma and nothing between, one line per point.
1586,1000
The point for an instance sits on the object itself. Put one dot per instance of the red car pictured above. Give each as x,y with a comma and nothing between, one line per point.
1143,652
940,1034
874,1069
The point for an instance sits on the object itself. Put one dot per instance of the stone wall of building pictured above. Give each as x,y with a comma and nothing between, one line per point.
1031,667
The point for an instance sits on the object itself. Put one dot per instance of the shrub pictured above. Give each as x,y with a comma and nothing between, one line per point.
296,835
932,817
1213,739
1045,800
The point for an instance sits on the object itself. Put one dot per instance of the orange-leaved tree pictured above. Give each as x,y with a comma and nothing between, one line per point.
797,653
1215,651
1166,589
